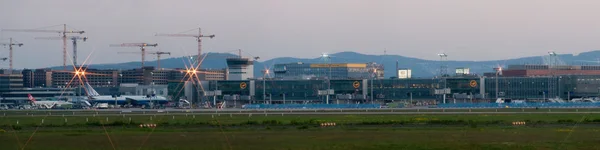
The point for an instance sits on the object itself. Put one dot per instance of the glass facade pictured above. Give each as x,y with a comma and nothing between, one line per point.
398,89
291,89
231,87
308,90
365,90
466,85
580,86
523,87
302,71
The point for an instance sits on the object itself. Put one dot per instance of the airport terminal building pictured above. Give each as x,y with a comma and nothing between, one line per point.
349,84
461,89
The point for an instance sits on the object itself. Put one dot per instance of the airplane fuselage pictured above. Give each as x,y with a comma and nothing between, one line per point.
128,99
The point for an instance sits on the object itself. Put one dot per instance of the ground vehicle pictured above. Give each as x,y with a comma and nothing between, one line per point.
102,106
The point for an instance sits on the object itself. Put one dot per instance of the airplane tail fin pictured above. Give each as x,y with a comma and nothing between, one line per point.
31,98
90,91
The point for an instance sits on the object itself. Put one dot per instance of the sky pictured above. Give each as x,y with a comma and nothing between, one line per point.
463,29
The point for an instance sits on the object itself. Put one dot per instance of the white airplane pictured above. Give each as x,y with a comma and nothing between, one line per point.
586,100
47,104
502,100
556,100
95,97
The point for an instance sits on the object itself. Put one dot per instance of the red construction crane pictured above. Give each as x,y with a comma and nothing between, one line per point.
62,32
74,39
141,45
155,53
10,54
198,37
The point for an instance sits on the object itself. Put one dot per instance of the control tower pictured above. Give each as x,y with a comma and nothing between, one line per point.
240,68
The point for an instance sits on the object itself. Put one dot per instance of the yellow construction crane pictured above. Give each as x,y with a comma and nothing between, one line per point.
72,38
198,37
141,45
10,54
63,33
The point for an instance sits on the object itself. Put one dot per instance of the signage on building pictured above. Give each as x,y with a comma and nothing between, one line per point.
473,83
243,85
326,92
442,91
462,71
356,84
213,93
404,73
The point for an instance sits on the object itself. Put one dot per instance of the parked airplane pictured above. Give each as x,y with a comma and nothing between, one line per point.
556,100
504,100
47,104
586,100
136,100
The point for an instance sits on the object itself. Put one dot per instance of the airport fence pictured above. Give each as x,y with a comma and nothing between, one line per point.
519,105
311,106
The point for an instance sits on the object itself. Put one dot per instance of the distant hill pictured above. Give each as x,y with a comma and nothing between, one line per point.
420,67
212,61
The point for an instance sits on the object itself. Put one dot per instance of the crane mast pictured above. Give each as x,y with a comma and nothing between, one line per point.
158,57
158,53
10,55
141,45
72,38
198,37
63,33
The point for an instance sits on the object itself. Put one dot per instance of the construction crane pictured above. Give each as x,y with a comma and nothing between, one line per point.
158,57
141,45
63,33
198,37
74,39
155,53
10,54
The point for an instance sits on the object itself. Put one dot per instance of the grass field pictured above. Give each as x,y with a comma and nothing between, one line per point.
257,131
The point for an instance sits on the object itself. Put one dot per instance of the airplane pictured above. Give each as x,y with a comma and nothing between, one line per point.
136,100
586,100
47,104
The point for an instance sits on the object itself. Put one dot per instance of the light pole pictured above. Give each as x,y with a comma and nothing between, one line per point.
151,89
550,69
115,96
372,78
498,71
192,73
329,79
79,74
443,72
328,60
120,83
153,93
265,72
411,100
115,101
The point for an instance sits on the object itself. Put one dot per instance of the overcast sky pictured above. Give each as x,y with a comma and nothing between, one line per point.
464,29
